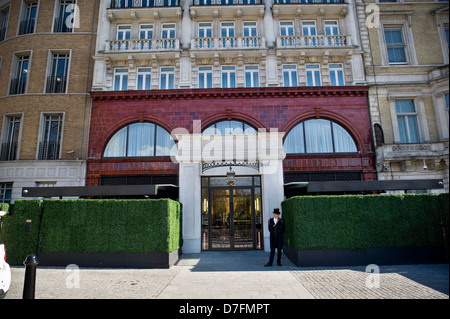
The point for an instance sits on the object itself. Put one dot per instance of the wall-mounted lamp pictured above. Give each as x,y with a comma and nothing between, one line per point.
425,167
231,175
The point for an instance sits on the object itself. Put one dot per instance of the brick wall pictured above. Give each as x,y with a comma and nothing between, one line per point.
280,108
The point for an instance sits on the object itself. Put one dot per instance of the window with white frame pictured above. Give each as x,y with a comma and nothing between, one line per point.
309,31
407,121
144,78
10,140
205,35
204,29
123,32
228,76
332,30
227,33
51,137
120,79
146,34
286,28
58,75
64,9
205,74
4,19
336,74
395,45
28,19
167,78
250,32
168,31
313,75
290,75
251,76
18,83
146,31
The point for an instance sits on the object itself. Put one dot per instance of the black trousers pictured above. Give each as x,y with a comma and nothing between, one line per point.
272,253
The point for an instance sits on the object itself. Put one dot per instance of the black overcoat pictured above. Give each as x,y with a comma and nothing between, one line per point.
276,233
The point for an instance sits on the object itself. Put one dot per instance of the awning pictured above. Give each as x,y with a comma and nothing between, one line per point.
363,186
96,191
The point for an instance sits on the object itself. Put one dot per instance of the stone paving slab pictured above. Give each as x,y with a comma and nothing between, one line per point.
237,275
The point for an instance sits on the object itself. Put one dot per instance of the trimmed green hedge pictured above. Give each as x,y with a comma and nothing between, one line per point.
20,244
365,221
93,226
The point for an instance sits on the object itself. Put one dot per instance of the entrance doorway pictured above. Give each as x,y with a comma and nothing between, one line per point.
231,215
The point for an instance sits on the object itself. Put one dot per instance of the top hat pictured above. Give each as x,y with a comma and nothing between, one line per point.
276,211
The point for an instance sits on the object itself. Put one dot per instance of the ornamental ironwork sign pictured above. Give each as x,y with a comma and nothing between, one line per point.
209,165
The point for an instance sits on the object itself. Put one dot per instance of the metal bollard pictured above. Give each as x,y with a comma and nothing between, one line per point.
29,285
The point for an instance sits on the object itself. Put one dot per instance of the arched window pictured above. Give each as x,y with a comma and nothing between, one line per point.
229,127
318,136
140,140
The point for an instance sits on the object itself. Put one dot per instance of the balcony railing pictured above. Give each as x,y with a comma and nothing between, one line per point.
8,152
56,84
307,1
48,150
224,2
120,4
314,41
142,45
228,43
18,86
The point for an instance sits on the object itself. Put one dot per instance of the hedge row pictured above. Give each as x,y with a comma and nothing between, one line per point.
366,221
92,226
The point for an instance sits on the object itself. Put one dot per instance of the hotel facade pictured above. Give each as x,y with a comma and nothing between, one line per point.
229,106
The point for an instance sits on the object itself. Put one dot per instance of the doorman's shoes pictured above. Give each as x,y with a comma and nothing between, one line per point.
268,265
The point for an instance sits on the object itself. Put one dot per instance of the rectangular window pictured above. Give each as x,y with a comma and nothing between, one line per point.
286,28
228,76
227,34
10,140
5,192
28,21
251,76
144,78
395,45
313,75
331,28
336,75
123,32
250,29
290,75
57,81
146,31
4,19
407,121
168,31
120,79
205,33
309,31
167,78
205,30
50,144
205,77
19,82
64,10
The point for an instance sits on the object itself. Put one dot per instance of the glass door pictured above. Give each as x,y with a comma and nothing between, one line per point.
231,216
242,219
221,219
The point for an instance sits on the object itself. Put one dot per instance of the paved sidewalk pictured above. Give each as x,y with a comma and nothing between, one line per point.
236,275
